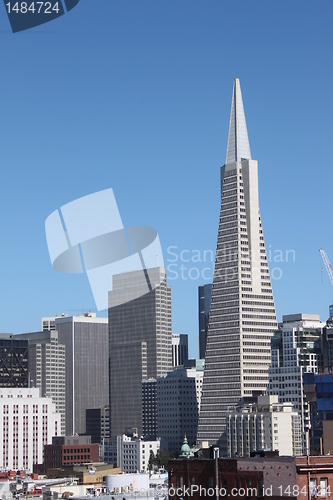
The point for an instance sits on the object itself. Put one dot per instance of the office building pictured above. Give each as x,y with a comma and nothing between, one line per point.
205,295
328,346
149,408
97,424
178,405
140,342
179,348
265,425
28,423
242,315
135,453
87,366
68,450
13,361
47,368
318,392
296,349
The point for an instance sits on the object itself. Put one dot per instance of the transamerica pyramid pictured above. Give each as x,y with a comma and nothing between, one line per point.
242,316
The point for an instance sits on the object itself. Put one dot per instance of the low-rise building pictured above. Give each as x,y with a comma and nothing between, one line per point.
235,478
135,453
314,477
266,424
67,450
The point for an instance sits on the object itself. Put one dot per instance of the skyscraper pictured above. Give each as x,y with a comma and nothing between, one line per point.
242,313
47,368
140,341
87,369
179,348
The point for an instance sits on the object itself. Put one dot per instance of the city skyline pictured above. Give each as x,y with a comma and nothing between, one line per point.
139,104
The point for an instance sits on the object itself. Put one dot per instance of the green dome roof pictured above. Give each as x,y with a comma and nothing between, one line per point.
185,450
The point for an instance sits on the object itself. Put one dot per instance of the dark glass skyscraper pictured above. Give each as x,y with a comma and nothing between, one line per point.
13,361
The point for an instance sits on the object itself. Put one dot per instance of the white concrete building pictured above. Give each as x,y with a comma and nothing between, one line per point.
135,453
296,348
178,404
28,422
47,368
242,316
267,424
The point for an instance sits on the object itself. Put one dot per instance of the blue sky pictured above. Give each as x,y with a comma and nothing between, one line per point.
135,95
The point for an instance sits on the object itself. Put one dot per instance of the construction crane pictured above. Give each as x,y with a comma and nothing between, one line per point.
327,264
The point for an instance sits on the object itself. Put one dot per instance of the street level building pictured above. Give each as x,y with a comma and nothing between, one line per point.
266,424
47,368
28,423
140,342
242,315
257,477
68,450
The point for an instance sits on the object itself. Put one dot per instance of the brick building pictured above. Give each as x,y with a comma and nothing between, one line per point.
271,477
67,450
315,477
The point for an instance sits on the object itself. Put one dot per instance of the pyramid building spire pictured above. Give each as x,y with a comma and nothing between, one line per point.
238,147
242,315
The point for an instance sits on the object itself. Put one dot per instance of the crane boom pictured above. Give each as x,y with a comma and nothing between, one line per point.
328,266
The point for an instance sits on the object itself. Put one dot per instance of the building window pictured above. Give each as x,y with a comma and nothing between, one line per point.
323,486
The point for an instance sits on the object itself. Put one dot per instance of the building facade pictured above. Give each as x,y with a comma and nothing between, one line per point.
179,348
242,315
296,349
14,370
268,477
47,368
149,408
140,342
318,392
87,366
266,424
28,423
98,423
204,298
135,453
178,405
68,450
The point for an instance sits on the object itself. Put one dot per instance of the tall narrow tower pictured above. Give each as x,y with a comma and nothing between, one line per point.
242,313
